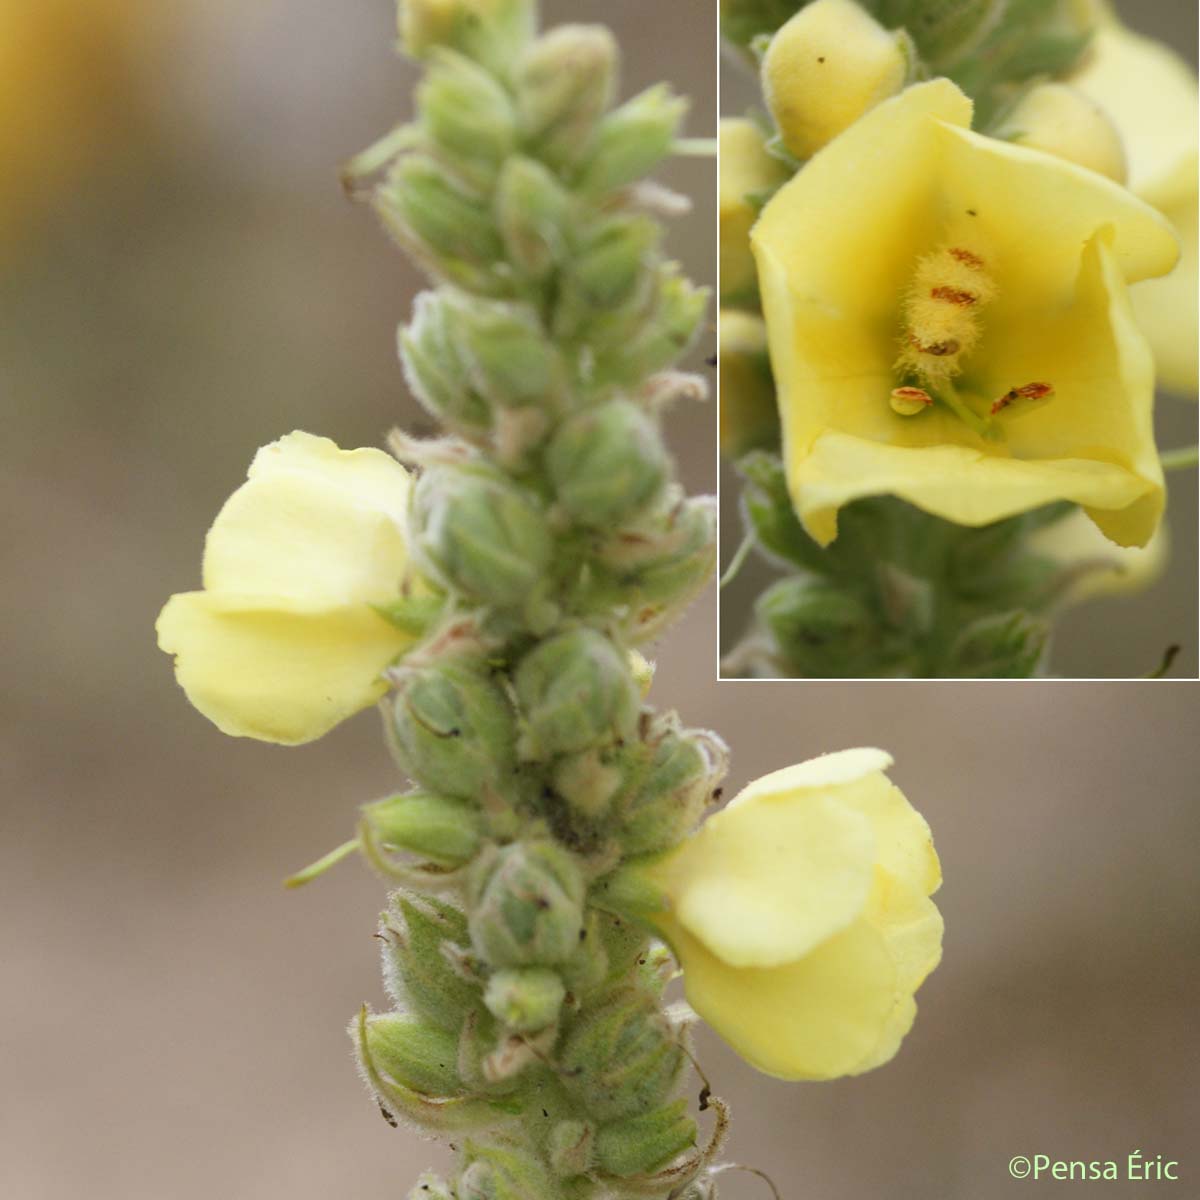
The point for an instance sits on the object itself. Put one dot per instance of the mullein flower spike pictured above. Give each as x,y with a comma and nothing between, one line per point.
492,605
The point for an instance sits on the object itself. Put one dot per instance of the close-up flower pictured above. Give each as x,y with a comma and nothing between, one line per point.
949,323
801,916
285,641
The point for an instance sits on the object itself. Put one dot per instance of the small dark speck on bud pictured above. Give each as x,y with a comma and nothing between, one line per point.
972,213
821,59
545,1113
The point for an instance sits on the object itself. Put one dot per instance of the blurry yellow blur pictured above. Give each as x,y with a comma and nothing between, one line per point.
67,87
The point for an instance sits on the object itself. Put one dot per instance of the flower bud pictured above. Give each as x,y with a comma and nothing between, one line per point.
656,338
1005,646
822,630
479,534
673,780
416,1055
468,115
434,368
532,209
492,31
569,1147
746,171
497,1173
565,83
1062,121
428,212
526,904
574,690
442,829
509,356
748,417
620,1057
610,264
830,64
453,729
633,139
607,463
946,30
640,1144
417,972
525,999
659,565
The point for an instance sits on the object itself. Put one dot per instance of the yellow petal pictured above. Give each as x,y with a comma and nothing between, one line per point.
822,1016
317,524
856,779
745,168
272,669
763,883
1151,95
1167,309
1092,564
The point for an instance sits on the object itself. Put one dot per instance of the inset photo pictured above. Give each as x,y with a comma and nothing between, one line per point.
958,340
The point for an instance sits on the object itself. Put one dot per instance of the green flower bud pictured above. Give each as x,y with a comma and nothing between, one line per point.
640,1144
569,1147
588,781
525,999
673,778
532,209
607,463
453,729
574,690
621,1057
418,972
468,114
657,337
1005,646
607,268
511,359
434,368
633,139
942,29
442,829
493,31
822,630
526,904
497,1173
565,83
413,1054
480,534
658,566
430,214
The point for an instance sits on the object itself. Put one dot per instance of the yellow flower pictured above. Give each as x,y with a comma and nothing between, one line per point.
745,168
1151,95
801,917
1091,565
912,256
747,395
283,643
827,66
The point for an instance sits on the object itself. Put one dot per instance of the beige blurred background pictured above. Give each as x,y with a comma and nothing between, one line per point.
183,283
1117,637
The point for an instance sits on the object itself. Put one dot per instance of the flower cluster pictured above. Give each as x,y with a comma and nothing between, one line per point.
492,600
957,318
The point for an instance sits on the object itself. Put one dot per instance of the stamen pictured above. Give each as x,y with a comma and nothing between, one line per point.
908,401
967,257
1030,391
954,295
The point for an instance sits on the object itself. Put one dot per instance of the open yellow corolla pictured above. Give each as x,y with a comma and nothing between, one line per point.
284,641
801,917
949,322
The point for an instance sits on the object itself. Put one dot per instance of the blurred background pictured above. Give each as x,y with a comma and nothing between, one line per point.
184,282
1112,637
